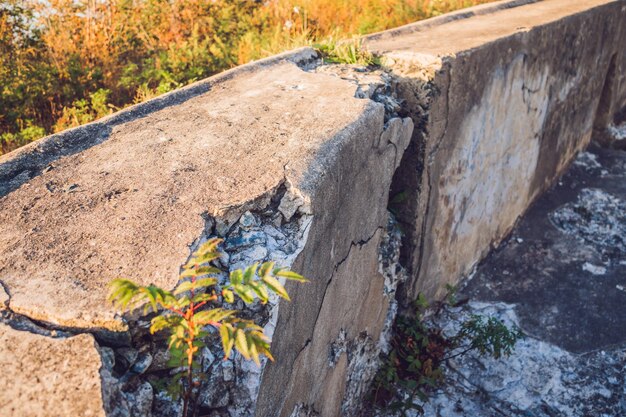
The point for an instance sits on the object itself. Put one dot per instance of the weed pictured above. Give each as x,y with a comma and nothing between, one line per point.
194,305
346,52
418,351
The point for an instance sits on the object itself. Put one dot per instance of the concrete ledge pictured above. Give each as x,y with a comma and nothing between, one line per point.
282,160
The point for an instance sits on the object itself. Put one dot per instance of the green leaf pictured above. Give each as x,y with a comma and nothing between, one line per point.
228,295
215,315
236,277
159,323
260,290
249,273
244,292
266,268
241,343
226,333
197,271
285,273
209,246
194,285
198,298
273,284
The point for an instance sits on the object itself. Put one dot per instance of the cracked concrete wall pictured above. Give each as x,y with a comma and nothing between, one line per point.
502,102
300,163
285,164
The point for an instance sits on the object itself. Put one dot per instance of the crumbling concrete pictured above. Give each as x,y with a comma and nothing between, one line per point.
501,102
293,161
43,376
273,162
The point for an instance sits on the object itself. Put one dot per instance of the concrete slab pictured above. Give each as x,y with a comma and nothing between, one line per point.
502,102
476,30
132,204
44,377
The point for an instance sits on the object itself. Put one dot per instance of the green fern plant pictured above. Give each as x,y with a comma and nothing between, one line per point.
195,305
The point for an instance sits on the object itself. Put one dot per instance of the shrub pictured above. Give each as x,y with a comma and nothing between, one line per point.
194,305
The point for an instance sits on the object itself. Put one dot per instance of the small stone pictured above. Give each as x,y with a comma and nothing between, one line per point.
108,357
594,269
291,201
71,188
207,358
247,220
129,355
159,361
142,364
245,239
228,371
141,399
221,227
215,393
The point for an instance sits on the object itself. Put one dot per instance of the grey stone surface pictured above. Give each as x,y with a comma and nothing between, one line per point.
138,198
295,163
560,277
539,379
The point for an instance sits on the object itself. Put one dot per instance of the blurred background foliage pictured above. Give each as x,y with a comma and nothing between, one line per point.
68,62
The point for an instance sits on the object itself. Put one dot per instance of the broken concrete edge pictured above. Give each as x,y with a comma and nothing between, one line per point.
286,201
435,73
465,13
28,359
22,164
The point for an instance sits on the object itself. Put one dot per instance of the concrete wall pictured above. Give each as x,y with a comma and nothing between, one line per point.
295,161
504,101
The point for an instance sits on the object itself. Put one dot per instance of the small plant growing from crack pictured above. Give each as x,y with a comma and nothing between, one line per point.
418,351
194,305
346,52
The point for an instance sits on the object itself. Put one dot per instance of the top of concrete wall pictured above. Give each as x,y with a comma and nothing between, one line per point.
132,203
467,29
92,203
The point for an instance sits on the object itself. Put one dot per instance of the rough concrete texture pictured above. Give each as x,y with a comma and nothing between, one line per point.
341,260
296,164
278,143
43,377
502,102
116,208
561,278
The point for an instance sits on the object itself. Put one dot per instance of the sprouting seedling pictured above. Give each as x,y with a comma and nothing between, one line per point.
194,306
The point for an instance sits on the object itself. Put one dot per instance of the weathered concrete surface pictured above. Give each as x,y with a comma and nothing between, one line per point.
561,278
342,262
43,377
502,102
502,98
132,205
565,265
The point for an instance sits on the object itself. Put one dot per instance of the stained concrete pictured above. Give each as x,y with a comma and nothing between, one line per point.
132,205
568,279
502,102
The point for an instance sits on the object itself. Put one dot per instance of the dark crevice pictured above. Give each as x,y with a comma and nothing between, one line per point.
604,115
